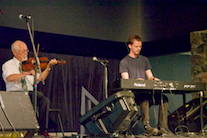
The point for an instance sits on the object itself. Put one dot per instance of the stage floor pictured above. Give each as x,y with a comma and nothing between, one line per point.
186,135
58,135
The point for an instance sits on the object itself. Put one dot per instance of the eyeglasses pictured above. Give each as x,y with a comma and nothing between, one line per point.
24,51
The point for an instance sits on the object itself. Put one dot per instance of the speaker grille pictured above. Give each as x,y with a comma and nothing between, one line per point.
17,108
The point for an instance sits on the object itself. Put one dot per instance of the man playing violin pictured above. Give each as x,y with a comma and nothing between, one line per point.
18,80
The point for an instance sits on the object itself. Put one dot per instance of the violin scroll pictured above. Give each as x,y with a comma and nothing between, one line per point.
61,62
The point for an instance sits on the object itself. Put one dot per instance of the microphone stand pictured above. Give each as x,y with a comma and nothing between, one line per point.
37,67
105,81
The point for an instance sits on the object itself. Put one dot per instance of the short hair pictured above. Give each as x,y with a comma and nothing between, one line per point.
132,38
15,45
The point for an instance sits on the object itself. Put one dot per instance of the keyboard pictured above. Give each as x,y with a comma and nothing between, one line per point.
175,86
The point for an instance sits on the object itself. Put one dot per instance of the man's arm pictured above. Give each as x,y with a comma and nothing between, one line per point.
47,70
124,75
45,73
150,75
15,77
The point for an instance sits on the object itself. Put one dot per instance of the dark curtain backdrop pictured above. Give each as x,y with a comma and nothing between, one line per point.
63,85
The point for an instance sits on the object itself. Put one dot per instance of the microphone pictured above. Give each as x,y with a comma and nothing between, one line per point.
21,16
101,61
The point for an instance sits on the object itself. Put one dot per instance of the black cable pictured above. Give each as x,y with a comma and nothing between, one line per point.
162,105
153,99
127,46
178,117
96,120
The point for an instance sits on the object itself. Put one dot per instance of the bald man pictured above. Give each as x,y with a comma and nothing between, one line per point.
18,80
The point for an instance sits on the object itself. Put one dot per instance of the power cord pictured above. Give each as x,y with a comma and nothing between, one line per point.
178,117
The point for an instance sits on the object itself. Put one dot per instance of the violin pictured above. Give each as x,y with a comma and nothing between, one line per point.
29,64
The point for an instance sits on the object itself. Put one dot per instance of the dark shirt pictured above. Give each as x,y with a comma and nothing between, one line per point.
135,67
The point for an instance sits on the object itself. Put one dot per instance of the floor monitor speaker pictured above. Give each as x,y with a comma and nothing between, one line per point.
16,113
114,115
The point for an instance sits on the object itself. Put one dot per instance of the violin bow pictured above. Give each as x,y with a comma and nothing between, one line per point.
38,47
